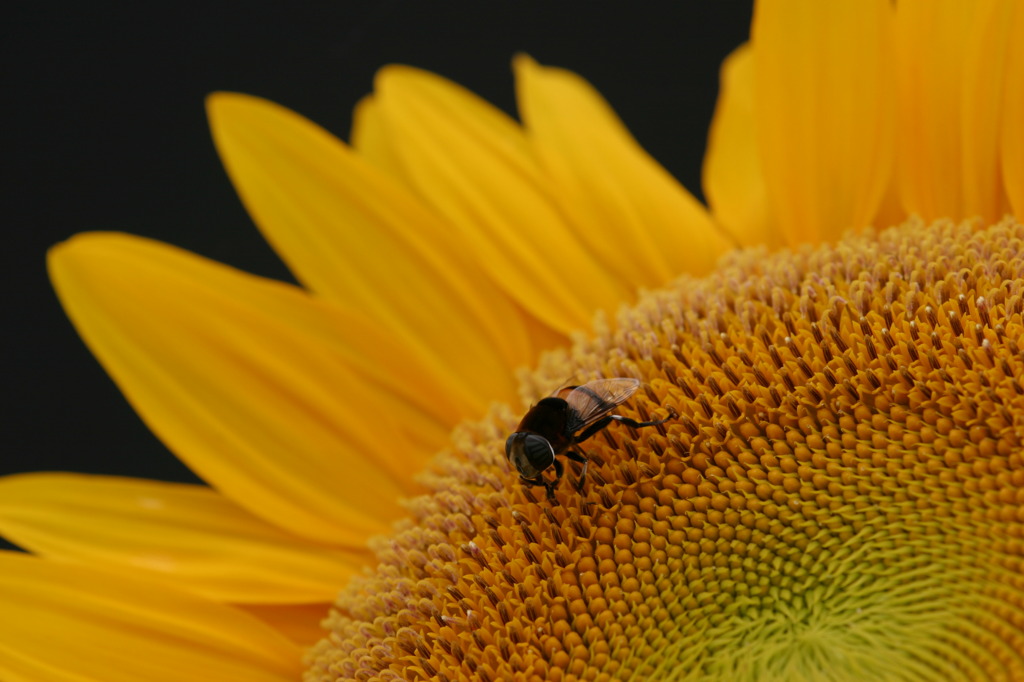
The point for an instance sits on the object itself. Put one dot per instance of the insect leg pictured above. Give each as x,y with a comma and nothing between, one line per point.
539,482
547,485
582,459
635,424
559,472
605,421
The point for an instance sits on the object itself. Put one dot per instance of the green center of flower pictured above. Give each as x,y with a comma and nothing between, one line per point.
841,497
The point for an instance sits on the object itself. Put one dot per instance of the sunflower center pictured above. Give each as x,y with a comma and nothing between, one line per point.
875,613
840,498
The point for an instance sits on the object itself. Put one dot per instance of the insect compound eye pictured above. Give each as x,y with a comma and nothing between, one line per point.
529,453
512,444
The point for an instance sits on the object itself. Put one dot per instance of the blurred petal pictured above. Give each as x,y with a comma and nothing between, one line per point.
1012,142
188,535
370,137
470,162
639,220
985,66
251,384
891,211
733,177
67,622
298,622
930,67
823,112
361,240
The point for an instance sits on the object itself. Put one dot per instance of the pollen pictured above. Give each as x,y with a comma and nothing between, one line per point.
841,496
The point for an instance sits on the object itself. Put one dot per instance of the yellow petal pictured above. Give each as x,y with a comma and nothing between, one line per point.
471,164
313,420
1013,115
298,622
985,61
187,535
370,137
355,236
64,622
639,220
823,112
733,177
930,67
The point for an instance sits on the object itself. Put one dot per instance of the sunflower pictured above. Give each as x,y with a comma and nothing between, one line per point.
839,494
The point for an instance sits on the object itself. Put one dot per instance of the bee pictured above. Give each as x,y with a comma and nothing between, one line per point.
559,423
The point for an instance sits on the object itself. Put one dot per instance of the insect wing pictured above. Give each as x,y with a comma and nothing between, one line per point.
595,399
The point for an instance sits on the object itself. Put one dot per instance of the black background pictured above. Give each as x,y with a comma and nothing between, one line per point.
104,128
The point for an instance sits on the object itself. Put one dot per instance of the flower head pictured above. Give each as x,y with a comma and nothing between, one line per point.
842,496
